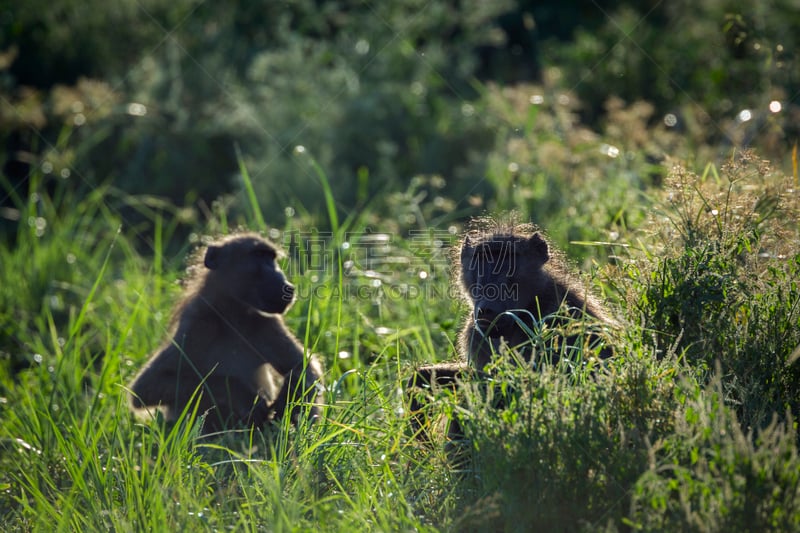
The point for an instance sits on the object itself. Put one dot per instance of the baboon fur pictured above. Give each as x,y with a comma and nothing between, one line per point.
229,348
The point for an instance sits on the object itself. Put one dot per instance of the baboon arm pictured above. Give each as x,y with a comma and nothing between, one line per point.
300,383
284,354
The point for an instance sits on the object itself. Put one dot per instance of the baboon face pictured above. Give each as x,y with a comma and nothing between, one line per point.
499,273
247,267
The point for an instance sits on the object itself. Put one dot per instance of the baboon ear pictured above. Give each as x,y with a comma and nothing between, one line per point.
212,258
539,246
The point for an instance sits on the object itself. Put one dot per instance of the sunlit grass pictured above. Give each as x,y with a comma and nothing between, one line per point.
646,441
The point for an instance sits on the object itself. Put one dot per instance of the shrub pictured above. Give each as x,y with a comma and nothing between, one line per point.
724,285
560,452
377,93
734,56
710,475
586,188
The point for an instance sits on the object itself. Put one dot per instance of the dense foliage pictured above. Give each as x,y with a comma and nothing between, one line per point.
156,97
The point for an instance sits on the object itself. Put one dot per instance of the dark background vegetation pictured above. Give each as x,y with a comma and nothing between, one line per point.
376,92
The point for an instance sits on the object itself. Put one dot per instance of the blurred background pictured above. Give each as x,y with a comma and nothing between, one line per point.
427,111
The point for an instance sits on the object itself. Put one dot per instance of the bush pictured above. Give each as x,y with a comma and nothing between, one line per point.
734,56
724,287
586,188
710,475
378,94
564,450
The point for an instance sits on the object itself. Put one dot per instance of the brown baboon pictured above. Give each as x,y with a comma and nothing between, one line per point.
513,285
229,345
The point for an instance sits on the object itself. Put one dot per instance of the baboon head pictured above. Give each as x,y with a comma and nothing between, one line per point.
245,270
501,271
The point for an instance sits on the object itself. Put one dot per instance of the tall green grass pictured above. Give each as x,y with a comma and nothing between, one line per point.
672,434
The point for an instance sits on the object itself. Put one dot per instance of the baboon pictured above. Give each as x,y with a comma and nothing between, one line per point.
513,285
229,348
